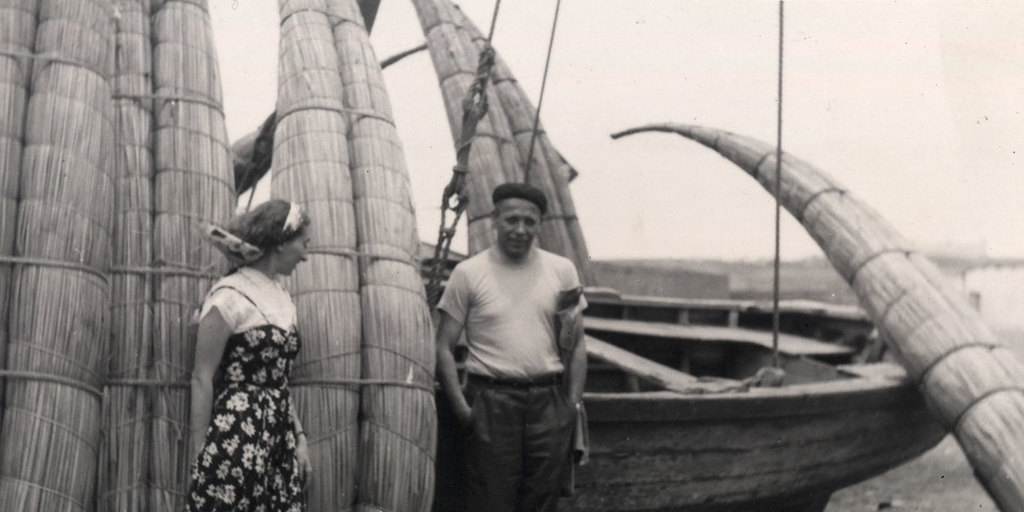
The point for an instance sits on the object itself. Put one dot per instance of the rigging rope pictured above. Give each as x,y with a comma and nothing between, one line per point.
540,99
778,188
454,199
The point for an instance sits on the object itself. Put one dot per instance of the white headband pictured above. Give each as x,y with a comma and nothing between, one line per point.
291,223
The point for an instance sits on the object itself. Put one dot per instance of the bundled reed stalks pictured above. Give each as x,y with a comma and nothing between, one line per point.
17,39
126,408
311,167
398,420
192,184
971,381
59,316
547,169
493,158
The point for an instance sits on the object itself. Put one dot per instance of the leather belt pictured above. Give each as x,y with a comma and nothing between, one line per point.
550,379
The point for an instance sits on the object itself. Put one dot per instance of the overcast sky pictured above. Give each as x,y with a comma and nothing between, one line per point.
917,107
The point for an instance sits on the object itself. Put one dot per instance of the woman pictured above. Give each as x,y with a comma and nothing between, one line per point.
254,454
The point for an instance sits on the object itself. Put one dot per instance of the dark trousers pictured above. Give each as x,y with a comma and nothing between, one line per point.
517,450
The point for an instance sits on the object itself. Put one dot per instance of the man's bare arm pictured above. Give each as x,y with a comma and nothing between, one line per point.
448,332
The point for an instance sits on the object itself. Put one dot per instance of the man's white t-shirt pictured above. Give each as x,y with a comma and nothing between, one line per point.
508,310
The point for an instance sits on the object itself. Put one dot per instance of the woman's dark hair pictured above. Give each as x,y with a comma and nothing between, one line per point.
263,226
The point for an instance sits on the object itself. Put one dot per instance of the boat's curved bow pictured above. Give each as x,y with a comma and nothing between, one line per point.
969,378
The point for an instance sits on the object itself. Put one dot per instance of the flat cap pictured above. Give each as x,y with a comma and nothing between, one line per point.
520,191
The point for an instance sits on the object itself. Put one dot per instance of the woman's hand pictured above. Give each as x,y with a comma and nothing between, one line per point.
304,466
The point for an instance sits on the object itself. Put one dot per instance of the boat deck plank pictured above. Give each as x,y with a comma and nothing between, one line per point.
789,344
654,372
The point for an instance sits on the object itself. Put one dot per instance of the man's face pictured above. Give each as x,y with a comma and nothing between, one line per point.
516,221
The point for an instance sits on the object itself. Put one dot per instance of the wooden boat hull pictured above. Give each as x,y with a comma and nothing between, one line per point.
767,449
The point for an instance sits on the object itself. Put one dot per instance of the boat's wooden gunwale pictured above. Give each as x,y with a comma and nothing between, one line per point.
828,311
789,344
791,401
781,450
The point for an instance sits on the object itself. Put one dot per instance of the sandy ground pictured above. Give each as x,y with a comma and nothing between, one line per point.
941,480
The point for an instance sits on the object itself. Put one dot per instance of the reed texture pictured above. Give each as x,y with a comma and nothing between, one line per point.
493,158
17,38
311,168
547,170
124,463
398,421
971,381
59,304
193,183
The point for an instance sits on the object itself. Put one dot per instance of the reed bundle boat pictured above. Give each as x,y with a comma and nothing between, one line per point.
970,380
311,167
58,294
492,156
366,381
680,418
501,147
18,36
191,184
124,462
546,167
397,421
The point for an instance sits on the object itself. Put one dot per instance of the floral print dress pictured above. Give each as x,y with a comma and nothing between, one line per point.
248,460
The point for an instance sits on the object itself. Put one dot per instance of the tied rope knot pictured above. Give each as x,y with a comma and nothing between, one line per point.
474,108
475,103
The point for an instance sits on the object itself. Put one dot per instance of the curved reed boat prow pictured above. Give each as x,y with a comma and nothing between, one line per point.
969,378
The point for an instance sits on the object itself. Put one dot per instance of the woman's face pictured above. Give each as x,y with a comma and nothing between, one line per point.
291,253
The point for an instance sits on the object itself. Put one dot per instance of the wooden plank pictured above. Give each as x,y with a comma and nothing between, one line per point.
789,344
596,295
650,371
886,371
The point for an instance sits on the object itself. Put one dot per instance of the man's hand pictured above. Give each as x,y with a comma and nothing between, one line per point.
448,332
305,467
463,412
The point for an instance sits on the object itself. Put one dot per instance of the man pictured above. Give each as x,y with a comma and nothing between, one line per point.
521,398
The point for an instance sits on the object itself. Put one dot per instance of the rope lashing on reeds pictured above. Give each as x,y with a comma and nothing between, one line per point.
958,422
426,450
47,490
50,57
21,345
155,383
344,252
949,352
44,262
540,99
49,377
828,190
171,98
355,112
866,261
164,271
359,383
146,383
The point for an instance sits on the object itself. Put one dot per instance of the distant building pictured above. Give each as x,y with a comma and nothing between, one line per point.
997,292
